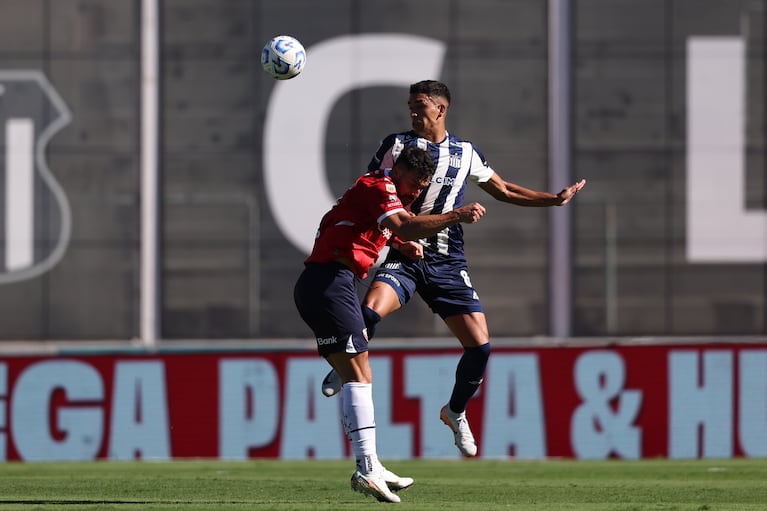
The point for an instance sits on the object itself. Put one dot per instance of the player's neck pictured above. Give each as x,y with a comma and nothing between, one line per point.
436,135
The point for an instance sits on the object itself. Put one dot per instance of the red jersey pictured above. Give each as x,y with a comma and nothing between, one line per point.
352,229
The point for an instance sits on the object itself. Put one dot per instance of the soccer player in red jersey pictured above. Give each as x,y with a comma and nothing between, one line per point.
348,242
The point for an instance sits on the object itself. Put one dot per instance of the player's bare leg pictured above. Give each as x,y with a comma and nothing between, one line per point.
469,329
382,298
351,367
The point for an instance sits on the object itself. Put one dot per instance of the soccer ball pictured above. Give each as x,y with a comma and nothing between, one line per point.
283,57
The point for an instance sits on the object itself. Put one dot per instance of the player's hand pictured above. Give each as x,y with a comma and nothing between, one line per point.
471,213
411,250
568,193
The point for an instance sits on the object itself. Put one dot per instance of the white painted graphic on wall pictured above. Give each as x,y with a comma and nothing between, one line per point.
719,227
299,110
35,217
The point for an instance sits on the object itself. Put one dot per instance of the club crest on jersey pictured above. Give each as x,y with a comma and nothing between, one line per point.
36,223
455,160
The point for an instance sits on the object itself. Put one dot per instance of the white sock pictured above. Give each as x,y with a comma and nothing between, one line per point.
358,418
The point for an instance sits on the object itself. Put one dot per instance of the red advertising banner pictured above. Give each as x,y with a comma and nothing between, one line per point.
630,402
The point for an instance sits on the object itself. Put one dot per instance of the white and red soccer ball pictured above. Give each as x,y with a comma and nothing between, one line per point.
283,57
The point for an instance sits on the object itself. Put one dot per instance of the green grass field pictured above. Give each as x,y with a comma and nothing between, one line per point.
476,485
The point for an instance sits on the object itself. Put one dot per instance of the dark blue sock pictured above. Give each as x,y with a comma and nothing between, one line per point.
372,319
468,376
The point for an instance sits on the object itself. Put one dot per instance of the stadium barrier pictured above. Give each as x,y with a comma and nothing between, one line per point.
643,398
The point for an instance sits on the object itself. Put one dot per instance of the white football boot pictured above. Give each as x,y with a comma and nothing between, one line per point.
373,485
457,422
332,384
395,482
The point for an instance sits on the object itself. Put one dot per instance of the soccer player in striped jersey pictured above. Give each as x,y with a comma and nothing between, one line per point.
435,267
349,240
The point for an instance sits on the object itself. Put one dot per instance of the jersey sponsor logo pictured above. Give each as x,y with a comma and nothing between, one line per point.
35,219
389,276
391,188
324,341
444,180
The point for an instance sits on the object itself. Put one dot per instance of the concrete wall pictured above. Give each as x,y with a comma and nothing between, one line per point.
228,268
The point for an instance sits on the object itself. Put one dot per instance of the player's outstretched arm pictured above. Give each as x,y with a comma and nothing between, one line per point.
513,193
568,193
410,227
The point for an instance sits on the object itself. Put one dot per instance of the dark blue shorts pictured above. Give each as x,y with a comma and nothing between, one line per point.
442,282
327,300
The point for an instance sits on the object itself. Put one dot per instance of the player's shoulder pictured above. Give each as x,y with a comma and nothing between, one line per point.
466,144
378,178
402,138
455,139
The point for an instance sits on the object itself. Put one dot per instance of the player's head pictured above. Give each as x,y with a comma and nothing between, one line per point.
412,172
431,88
428,104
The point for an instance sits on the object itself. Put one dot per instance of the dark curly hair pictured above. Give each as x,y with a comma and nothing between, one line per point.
432,88
417,160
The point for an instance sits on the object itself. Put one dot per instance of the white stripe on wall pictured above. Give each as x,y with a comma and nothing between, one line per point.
19,194
720,228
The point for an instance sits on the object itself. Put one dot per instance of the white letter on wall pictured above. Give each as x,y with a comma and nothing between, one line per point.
311,425
3,412
603,424
719,228
140,424
249,406
700,397
513,408
436,439
752,403
81,427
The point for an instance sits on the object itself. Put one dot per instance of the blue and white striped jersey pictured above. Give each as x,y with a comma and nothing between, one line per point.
457,162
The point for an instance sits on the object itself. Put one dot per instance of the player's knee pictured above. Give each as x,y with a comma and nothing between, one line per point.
482,352
372,318
476,357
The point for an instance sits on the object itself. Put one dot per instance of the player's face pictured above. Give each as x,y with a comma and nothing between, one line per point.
409,186
426,113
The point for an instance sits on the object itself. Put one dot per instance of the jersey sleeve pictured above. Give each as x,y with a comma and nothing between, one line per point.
382,159
479,171
383,200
